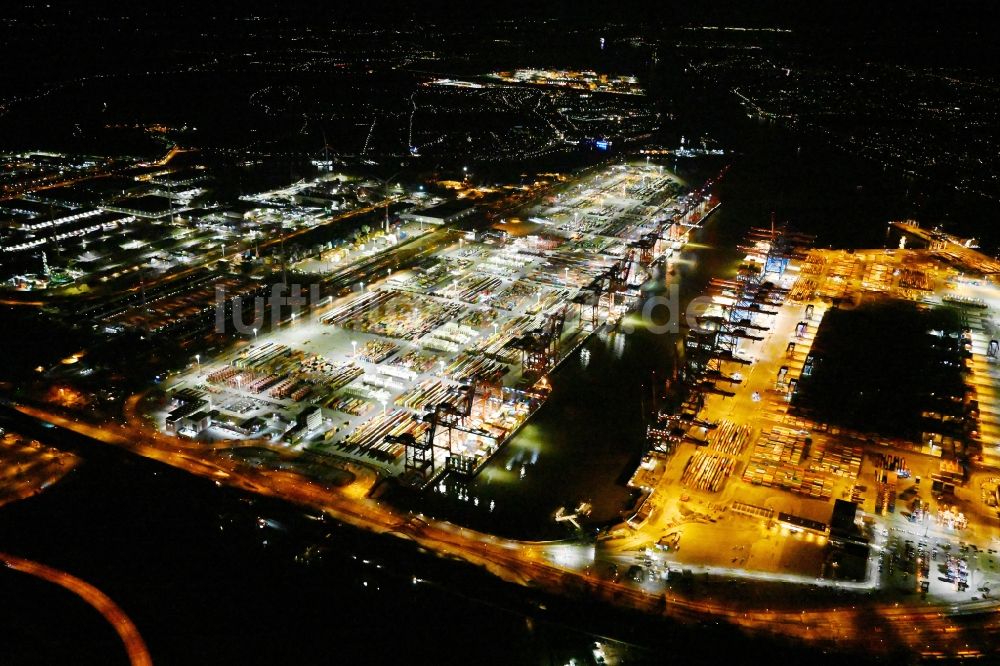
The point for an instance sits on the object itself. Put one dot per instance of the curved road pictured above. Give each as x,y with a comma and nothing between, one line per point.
138,654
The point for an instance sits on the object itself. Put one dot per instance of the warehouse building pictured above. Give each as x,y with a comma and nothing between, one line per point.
445,213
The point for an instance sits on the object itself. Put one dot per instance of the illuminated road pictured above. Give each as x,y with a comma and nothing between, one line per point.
134,645
570,568
14,302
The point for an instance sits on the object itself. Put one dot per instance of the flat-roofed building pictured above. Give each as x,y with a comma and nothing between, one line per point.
148,206
444,213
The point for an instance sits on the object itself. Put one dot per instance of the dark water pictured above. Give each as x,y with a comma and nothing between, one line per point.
585,442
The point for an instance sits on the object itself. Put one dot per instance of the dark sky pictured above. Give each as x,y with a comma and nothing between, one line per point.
51,40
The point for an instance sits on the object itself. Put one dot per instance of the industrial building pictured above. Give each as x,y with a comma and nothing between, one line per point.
445,213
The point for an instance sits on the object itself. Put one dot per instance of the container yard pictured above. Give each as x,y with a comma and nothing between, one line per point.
751,460
433,366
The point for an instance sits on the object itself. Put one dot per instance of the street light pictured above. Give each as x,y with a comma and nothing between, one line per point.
354,344
255,334
197,359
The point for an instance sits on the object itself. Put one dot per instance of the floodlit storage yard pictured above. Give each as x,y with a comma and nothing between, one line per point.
434,366
760,482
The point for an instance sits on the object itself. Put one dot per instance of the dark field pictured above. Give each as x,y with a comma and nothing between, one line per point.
884,367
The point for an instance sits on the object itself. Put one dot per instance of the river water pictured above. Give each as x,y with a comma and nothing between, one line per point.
586,441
